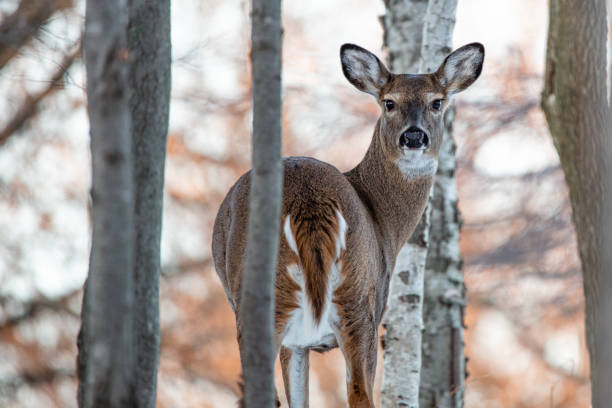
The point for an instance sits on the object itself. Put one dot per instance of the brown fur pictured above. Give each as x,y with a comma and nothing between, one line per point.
314,225
380,204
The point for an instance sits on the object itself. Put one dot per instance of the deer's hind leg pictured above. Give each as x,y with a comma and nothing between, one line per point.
295,364
358,341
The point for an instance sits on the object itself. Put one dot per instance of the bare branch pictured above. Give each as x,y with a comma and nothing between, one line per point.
30,107
20,27
35,307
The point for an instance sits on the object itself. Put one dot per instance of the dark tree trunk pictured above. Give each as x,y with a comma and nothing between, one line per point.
128,77
257,298
576,107
149,84
107,350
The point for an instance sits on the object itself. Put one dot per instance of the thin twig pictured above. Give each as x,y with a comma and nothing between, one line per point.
30,107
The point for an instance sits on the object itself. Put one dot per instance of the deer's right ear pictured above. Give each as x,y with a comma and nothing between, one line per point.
363,69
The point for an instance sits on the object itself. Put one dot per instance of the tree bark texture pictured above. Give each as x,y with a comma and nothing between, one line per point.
127,56
108,340
403,322
426,366
149,81
443,359
605,334
256,335
576,107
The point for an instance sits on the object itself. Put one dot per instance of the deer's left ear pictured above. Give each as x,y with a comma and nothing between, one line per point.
461,68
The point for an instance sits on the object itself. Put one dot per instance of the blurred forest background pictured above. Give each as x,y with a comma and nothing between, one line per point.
525,316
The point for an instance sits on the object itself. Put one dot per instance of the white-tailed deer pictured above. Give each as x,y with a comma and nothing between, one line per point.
342,232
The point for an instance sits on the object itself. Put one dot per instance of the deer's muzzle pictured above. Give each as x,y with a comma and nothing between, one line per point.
414,138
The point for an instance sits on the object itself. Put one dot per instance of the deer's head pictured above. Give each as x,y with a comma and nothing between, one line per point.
411,126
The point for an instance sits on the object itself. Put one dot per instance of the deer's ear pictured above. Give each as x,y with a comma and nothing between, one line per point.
461,68
363,69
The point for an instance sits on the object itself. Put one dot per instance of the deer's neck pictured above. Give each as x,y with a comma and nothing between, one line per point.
395,202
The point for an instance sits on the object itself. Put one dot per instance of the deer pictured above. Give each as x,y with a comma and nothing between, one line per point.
341,232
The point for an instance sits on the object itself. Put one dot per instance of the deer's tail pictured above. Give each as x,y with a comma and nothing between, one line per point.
316,232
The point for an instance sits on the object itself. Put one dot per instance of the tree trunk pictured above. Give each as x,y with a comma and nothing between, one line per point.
257,299
605,334
149,85
403,36
128,86
443,359
107,352
418,35
576,107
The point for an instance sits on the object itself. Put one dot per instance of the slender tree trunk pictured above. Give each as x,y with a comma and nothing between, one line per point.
418,35
149,84
576,107
108,374
257,298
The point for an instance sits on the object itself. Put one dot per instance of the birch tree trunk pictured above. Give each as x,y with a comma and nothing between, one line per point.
257,297
403,322
149,85
107,351
576,107
427,291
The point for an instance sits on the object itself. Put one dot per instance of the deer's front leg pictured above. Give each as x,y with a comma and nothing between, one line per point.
359,346
295,364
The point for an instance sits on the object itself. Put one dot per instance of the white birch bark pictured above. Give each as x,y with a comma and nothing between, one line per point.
403,24
442,343
418,35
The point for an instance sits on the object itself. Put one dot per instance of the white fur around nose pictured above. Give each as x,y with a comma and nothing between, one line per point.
415,163
302,330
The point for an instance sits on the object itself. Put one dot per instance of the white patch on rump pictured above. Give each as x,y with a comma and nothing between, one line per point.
289,235
302,330
341,239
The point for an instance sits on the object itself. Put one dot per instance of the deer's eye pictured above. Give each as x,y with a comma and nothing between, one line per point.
436,105
389,105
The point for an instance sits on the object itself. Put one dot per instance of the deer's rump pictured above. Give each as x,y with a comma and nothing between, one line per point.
313,238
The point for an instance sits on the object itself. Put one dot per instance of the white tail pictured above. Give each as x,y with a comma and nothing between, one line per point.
342,232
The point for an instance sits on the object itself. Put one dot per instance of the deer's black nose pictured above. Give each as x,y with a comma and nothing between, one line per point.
414,138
